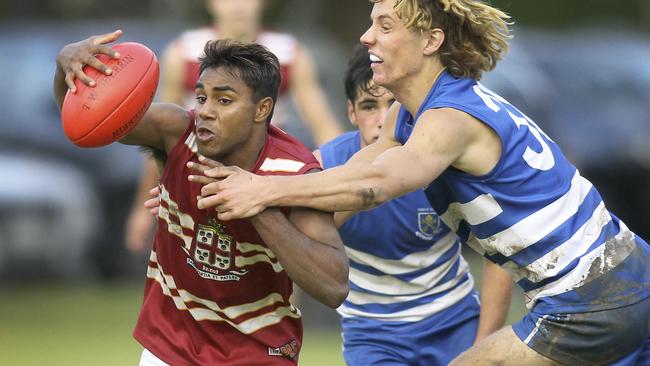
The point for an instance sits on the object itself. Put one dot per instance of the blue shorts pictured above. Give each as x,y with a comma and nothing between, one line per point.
433,341
618,334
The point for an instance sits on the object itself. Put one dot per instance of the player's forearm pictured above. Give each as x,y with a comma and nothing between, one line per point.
344,188
496,292
319,269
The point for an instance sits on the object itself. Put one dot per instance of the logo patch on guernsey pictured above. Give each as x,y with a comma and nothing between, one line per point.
288,350
214,253
428,224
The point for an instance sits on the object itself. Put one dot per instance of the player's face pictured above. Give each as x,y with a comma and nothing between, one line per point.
395,51
369,110
225,113
238,16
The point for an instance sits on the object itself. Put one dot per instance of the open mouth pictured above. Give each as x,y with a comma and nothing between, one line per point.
204,134
374,60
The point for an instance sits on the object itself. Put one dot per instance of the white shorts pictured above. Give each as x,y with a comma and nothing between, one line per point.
149,359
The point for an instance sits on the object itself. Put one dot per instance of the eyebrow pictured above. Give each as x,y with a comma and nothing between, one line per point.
367,100
385,16
200,85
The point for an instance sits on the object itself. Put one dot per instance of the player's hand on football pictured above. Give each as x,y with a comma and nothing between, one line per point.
235,193
73,57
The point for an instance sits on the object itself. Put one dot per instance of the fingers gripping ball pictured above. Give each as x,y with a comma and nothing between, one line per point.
99,115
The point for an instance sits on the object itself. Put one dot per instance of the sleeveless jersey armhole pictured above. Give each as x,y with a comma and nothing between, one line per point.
482,119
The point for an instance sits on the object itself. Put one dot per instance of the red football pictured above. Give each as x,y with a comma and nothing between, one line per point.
97,116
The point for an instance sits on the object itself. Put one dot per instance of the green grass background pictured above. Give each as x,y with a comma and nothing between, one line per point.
90,324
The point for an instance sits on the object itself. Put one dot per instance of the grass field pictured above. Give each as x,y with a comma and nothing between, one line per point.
82,325
91,324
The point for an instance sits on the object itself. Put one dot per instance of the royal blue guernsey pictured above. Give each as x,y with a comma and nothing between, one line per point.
533,214
405,265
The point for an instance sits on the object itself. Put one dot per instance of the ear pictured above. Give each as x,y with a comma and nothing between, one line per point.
434,39
263,109
352,116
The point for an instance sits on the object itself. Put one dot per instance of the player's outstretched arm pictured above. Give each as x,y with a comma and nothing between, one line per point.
160,127
369,153
439,140
309,248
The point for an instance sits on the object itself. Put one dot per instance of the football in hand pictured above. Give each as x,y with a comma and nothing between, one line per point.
99,115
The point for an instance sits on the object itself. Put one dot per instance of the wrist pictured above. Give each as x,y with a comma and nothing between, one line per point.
270,195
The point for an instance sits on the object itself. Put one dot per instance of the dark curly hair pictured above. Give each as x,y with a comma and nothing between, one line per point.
258,67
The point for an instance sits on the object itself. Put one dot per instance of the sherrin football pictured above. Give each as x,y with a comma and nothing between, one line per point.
99,115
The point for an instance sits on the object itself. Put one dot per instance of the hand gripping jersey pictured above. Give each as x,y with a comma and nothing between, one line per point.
215,294
533,214
405,264
191,44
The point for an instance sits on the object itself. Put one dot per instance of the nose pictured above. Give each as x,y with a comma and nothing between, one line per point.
205,112
367,39
383,113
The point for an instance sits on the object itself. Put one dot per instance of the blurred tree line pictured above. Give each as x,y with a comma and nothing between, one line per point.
345,25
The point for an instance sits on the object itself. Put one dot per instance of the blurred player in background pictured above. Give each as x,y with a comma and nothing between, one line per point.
412,298
495,178
217,293
240,20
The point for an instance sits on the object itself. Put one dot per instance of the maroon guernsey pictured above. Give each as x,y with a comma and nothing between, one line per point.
215,294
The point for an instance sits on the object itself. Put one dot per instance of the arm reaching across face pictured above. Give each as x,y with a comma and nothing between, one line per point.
440,139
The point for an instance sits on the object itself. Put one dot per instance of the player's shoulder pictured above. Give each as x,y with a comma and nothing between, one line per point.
345,138
340,149
284,154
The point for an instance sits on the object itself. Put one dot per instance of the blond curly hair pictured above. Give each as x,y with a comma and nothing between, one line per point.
476,34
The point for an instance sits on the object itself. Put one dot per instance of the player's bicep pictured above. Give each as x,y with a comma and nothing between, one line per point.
437,140
161,124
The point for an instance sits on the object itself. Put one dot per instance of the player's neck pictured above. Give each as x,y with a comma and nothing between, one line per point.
246,155
412,90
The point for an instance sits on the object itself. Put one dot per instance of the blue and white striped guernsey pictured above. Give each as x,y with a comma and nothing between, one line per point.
405,265
533,214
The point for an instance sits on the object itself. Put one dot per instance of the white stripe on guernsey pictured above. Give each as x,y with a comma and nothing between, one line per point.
210,312
390,285
556,260
409,263
605,257
175,229
185,220
536,329
249,247
249,261
477,211
281,165
190,142
362,298
533,228
416,313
